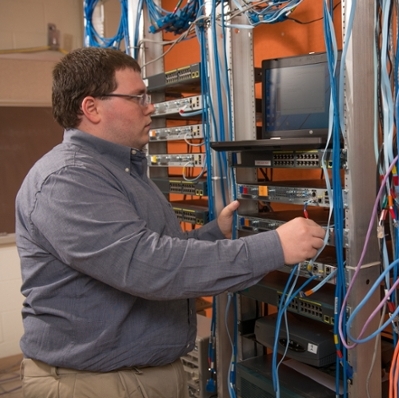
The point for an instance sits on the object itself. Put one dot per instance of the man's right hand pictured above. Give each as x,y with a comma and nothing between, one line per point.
300,239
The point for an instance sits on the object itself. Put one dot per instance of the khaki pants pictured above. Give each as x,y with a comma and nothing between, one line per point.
43,381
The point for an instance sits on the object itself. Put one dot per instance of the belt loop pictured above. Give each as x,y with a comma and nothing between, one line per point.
54,372
21,370
137,370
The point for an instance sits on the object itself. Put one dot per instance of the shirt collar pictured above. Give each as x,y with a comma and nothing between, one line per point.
120,155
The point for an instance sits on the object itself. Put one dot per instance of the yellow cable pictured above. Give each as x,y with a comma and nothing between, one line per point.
32,50
25,50
62,51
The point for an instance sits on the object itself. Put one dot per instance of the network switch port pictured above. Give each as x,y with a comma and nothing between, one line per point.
189,216
176,184
284,163
184,189
177,133
180,75
306,159
193,212
188,189
178,187
304,307
300,159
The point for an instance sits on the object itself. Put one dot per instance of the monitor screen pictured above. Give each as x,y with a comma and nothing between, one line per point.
296,96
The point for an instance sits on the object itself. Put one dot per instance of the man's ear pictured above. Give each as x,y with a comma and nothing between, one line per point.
90,110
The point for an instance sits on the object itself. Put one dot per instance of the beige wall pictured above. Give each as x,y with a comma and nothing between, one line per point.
25,80
23,23
10,301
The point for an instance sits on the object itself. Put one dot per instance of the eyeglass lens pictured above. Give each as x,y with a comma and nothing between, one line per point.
145,99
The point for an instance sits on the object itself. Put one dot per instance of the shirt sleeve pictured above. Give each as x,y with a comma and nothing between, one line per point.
90,226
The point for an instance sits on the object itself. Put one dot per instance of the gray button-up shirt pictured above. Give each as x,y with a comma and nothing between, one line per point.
108,274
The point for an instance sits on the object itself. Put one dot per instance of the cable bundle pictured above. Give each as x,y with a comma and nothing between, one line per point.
94,39
335,134
268,11
385,209
177,21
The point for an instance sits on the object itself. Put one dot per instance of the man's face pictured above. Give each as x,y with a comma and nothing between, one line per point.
125,121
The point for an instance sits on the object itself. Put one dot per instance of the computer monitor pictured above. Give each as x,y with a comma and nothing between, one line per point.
296,96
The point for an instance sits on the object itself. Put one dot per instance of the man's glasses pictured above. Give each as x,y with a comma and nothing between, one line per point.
144,99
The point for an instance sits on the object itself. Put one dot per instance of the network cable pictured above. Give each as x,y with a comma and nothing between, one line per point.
337,128
358,267
286,300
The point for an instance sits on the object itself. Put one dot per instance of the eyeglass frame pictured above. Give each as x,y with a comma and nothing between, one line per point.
144,99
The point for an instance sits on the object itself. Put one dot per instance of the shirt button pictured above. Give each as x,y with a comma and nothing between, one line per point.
127,170
134,151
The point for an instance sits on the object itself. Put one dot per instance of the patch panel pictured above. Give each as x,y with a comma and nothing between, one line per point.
312,159
260,222
191,211
177,133
178,106
183,159
292,192
179,185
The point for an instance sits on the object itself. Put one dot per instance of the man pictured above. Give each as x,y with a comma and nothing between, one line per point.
108,275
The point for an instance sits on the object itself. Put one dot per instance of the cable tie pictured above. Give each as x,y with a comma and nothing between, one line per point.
393,216
380,232
391,306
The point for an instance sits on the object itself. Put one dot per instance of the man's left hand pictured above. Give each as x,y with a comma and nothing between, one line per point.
225,218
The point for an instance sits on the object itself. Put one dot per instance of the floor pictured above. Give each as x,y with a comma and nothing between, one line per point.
10,382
